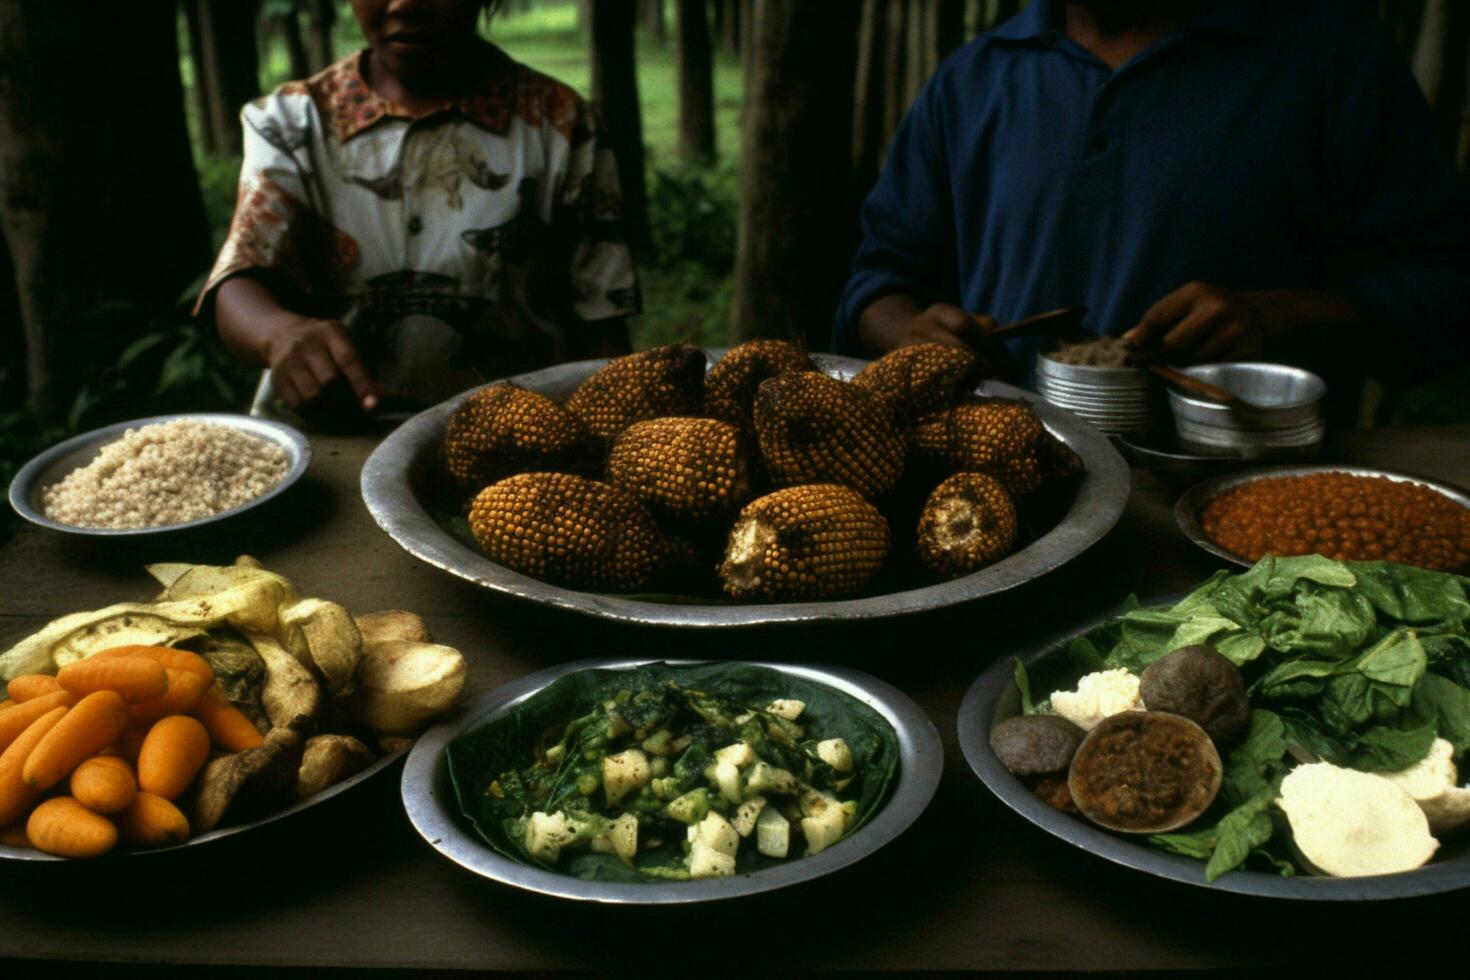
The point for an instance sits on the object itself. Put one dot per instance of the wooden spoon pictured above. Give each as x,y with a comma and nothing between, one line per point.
1194,386
1065,321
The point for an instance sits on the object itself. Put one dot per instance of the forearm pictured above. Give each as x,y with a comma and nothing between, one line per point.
248,316
884,322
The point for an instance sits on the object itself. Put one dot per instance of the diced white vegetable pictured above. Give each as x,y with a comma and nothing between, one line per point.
746,815
1099,695
691,807
727,780
739,754
547,834
1433,782
789,709
766,778
715,832
1351,823
835,753
624,834
824,820
706,862
624,773
772,833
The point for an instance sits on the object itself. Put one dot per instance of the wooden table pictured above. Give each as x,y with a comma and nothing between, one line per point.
350,885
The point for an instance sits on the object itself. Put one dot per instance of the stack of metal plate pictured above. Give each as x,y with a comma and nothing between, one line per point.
1279,414
1117,400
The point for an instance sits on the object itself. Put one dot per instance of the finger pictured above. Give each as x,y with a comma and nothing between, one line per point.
958,323
354,370
305,383
321,365
282,383
1193,331
1161,317
1226,344
929,332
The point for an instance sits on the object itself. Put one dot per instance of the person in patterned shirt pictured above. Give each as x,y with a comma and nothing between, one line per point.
420,216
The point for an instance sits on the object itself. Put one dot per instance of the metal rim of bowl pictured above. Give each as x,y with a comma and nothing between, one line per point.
431,809
1199,370
977,717
24,485
1101,495
1187,508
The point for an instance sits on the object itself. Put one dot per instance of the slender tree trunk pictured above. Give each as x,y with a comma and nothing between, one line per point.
733,14
868,135
290,27
948,27
231,65
917,65
615,94
895,76
82,192
653,20
1440,62
797,225
696,83
323,17
208,138
975,11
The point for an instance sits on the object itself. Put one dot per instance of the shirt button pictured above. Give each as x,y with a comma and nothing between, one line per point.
415,224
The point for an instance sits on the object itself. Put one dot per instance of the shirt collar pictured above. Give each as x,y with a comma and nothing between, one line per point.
349,104
1041,19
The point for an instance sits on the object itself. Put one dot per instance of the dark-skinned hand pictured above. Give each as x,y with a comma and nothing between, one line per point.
1200,323
307,355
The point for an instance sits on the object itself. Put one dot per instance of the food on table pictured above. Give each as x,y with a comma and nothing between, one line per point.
1099,695
683,469
805,542
1202,685
568,529
730,386
816,429
1110,352
1357,680
1144,772
661,381
167,473
267,697
502,429
999,436
1342,516
674,772
1351,823
921,379
968,522
1036,745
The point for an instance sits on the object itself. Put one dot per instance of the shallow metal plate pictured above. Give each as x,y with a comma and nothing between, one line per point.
219,833
429,798
397,473
993,698
52,466
1187,508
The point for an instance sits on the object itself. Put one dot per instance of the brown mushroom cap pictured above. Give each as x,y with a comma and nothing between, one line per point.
1145,772
1202,685
1035,745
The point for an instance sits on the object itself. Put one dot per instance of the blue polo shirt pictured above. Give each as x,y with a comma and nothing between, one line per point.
1280,145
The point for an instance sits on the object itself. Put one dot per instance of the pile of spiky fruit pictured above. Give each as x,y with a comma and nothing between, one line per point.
765,469
229,696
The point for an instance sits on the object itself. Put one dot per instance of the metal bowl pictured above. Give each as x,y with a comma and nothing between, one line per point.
8,853
432,809
1189,505
1282,410
993,698
400,474
1118,400
28,489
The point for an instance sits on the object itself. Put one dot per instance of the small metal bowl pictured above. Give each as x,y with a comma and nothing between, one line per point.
1281,414
1117,400
28,489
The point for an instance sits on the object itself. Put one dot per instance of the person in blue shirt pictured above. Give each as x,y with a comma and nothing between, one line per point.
1213,180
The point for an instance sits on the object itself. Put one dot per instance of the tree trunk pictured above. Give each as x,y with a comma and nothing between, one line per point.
948,27
199,90
653,20
868,135
895,50
1440,64
231,66
975,16
733,14
290,28
323,17
82,192
615,94
797,224
696,83
917,64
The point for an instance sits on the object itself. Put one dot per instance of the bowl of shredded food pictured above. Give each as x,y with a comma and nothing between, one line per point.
158,474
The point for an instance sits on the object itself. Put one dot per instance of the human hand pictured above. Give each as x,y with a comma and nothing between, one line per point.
1199,323
944,323
307,355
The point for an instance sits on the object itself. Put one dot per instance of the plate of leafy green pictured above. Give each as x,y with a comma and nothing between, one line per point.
654,782
1340,781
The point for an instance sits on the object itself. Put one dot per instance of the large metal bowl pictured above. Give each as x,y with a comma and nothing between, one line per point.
432,808
398,476
28,489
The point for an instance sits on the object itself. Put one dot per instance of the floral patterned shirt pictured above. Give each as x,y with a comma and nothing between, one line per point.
455,245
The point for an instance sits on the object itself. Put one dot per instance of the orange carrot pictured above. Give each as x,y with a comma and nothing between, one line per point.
16,718
184,691
94,724
15,796
153,821
135,678
104,784
167,656
229,729
172,755
63,826
28,686
14,835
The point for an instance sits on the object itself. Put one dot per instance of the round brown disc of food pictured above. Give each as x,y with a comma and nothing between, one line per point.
1035,745
1202,685
1145,772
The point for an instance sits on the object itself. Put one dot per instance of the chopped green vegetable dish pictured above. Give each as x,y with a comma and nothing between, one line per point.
667,772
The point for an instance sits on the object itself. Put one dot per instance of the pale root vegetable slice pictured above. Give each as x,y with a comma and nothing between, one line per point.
135,678
94,724
28,686
15,796
104,784
402,686
291,696
173,752
16,718
152,821
393,624
265,774
1349,823
1099,695
322,636
64,827
227,725
329,759
1433,782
